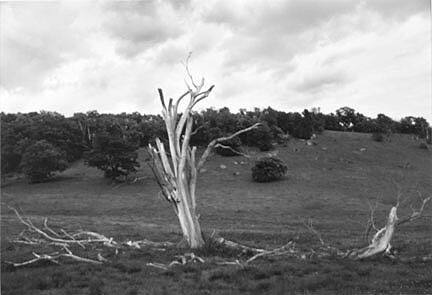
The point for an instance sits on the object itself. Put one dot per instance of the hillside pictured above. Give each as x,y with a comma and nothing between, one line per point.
330,182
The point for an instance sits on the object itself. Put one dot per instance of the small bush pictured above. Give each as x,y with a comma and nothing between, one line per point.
234,149
268,169
423,146
378,136
40,160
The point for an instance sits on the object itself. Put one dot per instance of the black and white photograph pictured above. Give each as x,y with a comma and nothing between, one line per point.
216,147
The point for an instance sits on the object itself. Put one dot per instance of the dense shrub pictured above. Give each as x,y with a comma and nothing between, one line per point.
260,137
41,160
113,155
303,130
76,134
378,136
268,169
234,149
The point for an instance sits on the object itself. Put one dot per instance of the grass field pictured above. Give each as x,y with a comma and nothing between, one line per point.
330,182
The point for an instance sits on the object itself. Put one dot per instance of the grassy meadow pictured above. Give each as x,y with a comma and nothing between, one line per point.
330,182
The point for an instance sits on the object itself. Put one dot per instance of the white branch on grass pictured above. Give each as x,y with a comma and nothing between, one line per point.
36,236
380,242
180,260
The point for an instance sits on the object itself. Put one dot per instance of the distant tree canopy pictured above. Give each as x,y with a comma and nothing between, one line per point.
84,132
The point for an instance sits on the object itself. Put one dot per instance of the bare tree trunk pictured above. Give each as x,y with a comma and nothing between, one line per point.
176,172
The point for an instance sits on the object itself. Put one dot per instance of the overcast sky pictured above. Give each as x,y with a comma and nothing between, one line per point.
374,56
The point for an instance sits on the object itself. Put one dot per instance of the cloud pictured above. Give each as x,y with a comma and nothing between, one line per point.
141,25
33,43
316,82
373,55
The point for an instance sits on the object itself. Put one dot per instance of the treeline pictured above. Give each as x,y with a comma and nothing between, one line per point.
40,143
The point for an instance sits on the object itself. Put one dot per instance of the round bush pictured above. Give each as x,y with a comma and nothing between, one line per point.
40,160
234,150
268,169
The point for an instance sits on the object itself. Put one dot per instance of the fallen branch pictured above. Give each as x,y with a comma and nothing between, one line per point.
180,260
236,246
53,257
68,239
285,249
46,236
145,243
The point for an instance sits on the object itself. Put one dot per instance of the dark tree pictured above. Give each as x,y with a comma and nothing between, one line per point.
113,155
385,124
260,137
331,122
40,160
304,128
59,131
365,124
346,117
407,125
421,126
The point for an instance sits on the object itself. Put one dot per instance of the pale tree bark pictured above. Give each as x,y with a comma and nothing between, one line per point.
176,170
381,240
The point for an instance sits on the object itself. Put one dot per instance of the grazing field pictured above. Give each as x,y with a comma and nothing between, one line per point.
330,182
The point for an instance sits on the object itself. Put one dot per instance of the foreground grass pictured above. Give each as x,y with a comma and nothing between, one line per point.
330,182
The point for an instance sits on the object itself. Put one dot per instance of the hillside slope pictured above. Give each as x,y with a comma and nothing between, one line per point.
330,182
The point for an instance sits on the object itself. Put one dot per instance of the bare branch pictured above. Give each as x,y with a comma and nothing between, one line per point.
212,144
285,249
196,130
148,243
89,237
44,237
235,262
309,226
371,222
180,260
49,229
53,257
186,65
161,96
231,149
416,213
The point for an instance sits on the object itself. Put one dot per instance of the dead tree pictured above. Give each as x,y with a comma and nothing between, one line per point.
380,242
176,170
